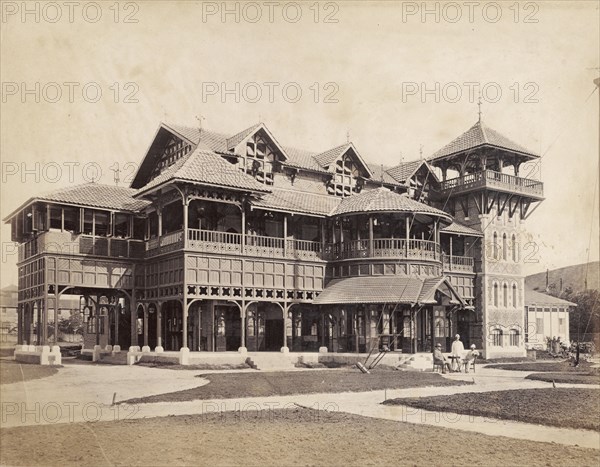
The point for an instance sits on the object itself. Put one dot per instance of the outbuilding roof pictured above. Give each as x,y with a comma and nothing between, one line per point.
535,298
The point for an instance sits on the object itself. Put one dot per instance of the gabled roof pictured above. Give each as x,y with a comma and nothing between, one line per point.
242,135
384,200
206,167
381,174
534,298
432,285
403,171
91,194
301,202
480,135
460,229
327,158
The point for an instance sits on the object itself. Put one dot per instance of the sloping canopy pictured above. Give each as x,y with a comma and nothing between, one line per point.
459,229
387,289
535,298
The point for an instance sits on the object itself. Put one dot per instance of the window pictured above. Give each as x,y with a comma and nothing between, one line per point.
497,337
505,295
514,296
495,294
515,256
539,326
513,337
101,224
55,217
561,325
495,246
122,225
259,160
504,247
344,181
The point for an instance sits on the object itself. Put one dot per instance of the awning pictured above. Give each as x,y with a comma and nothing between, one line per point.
388,289
371,289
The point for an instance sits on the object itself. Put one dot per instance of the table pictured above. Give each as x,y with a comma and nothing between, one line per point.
455,365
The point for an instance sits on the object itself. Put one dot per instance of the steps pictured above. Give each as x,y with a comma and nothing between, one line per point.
116,358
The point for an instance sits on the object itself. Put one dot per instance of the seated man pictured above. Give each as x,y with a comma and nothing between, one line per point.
471,355
439,359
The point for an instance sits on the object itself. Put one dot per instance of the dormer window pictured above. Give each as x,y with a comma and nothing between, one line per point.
345,180
259,160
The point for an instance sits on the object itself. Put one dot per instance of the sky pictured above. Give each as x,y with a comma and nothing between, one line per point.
86,85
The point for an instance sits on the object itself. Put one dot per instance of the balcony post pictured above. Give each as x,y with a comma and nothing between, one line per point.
407,234
159,214
186,204
285,234
370,235
184,324
450,265
243,230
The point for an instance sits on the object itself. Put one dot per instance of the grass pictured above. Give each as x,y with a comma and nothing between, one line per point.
559,366
281,383
561,407
273,438
12,372
567,378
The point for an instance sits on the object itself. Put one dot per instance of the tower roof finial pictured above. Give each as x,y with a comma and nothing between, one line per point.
348,136
479,107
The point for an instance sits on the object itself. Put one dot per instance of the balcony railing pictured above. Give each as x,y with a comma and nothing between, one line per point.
81,244
457,263
492,179
384,248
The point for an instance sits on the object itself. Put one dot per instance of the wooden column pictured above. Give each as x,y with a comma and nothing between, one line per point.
285,234
450,265
56,299
285,324
407,234
159,214
185,221
243,230
20,324
159,337
243,325
133,312
117,313
370,235
185,324
145,327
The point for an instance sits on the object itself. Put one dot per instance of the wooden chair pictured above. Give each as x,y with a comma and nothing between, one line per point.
470,365
438,364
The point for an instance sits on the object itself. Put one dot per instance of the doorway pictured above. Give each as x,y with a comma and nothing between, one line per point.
273,335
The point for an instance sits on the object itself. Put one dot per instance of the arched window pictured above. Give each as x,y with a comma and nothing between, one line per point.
504,247
513,337
505,295
515,253
495,246
497,337
495,294
514,296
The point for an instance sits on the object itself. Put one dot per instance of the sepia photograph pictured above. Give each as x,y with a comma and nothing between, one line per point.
312,233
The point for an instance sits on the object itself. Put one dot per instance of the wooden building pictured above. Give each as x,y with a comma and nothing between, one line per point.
236,241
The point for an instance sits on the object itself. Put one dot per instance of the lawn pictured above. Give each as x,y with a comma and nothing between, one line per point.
567,378
561,407
12,372
559,366
272,438
281,383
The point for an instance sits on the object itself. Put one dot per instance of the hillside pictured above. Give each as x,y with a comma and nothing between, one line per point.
572,276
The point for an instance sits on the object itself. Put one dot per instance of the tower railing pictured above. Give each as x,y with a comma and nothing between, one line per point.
493,179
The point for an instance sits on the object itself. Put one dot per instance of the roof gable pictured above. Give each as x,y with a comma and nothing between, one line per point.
327,158
234,142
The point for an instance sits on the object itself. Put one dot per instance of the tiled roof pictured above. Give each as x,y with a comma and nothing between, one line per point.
404,170
298,201
534,298
203,166
236,139
384,200
378,174
460,229
97,195
478,135
431,285
371,289
325,159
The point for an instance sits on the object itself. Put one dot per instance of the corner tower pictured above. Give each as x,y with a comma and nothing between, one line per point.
486,185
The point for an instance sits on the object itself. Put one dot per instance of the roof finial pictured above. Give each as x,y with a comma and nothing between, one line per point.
260,118
421,151
401,157
479,107
348,136
381,174
116,171
200,118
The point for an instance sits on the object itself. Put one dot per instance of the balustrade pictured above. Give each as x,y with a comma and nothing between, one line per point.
495,179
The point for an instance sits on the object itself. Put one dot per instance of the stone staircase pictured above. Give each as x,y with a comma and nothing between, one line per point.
116,358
